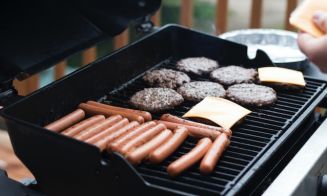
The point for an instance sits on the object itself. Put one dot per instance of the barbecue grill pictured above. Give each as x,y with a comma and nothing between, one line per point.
260,147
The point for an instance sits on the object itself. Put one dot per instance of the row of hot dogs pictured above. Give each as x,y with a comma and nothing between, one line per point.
135,135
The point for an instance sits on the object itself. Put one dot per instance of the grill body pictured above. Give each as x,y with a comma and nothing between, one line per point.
64,166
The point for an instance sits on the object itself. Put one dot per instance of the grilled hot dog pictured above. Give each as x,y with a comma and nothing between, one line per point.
66,121
136,156
93,110
167,148
75,129
209,161
187,160
142,138
146,115
116,144
175,119
102,143
91,131
110,129
196,132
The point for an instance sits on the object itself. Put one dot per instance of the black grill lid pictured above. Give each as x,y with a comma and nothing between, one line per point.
36,34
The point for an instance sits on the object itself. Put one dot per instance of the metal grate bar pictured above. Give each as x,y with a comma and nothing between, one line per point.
266,120
286,100
269,113
241,134
290,103
250,141
176,184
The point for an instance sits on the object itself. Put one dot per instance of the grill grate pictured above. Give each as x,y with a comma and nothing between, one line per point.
249,141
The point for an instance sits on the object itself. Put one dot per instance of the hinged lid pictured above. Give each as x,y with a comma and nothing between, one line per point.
36,34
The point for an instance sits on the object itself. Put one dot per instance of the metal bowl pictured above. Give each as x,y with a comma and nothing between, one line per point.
281,46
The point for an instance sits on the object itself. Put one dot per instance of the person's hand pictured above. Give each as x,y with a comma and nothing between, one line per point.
316,48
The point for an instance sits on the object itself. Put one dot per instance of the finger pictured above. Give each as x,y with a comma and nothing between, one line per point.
309,44
320,19
314,49
306,43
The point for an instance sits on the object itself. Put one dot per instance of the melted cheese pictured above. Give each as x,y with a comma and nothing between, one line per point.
220,111
281,75
302,16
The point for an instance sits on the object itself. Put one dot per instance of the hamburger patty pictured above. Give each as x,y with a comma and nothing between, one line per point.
197,65
156,99
233,75
167,78
196,91
251,94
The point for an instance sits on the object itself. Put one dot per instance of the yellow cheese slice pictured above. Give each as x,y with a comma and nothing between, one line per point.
302,16
281,75
220,111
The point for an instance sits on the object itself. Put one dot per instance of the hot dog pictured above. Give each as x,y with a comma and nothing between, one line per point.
102,143
196,132
116,144
66,121
75,129
209,161
167,148
175,119
142,138
93,110
146,115
91,131
136,156
110,129
187,160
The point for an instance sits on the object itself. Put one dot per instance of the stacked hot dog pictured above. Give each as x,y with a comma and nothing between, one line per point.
135,135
